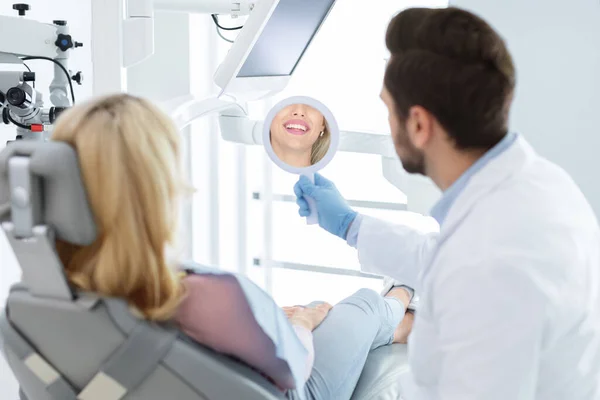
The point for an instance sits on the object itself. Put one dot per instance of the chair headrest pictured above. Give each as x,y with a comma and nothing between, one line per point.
65,207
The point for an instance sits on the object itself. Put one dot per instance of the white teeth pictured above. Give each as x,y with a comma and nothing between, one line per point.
296,126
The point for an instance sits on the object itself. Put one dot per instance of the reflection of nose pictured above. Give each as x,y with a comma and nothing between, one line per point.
299,110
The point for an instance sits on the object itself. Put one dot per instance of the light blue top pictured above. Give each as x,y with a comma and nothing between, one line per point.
441,208
274,323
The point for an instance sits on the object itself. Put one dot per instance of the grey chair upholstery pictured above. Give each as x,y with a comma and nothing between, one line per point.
65,345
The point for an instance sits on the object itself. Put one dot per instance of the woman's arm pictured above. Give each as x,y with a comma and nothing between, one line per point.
216,314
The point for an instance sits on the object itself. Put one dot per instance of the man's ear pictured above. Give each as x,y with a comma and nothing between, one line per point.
419,125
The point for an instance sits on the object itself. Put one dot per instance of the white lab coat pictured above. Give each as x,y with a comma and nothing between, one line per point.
509,288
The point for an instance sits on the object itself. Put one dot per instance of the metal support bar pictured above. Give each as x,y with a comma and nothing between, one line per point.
379,205
268,224
367,143
240,129
234,8
316,268
242,209
188,112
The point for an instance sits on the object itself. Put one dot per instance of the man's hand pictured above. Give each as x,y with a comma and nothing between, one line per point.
335,215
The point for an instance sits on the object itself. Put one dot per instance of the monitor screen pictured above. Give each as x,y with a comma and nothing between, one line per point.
285,37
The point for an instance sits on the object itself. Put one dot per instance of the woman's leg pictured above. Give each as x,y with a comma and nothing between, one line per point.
354,327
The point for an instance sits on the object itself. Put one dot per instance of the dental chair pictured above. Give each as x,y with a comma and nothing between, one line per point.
62,344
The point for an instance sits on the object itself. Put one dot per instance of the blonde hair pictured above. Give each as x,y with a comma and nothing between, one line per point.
129,158
321,146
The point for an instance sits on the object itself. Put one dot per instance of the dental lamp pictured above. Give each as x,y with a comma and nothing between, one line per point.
20,103
260,63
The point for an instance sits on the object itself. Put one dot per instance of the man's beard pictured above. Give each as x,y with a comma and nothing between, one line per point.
413,160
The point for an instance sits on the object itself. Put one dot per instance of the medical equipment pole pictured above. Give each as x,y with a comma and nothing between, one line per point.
59,87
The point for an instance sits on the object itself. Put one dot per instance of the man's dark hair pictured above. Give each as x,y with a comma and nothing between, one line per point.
452,63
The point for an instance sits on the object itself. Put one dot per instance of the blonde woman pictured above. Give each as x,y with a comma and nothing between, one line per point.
300,136
130,163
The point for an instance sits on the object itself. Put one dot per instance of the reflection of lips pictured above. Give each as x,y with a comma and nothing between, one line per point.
296,127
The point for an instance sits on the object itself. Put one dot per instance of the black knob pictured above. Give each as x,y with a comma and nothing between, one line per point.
59,22
78,77
64,42
28,76
16,96
55,113
21,8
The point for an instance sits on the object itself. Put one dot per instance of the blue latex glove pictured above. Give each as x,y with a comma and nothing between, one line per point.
335,215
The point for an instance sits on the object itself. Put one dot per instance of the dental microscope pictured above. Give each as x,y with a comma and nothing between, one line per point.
21,105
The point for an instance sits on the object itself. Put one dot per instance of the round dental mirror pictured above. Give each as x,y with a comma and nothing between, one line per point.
301,136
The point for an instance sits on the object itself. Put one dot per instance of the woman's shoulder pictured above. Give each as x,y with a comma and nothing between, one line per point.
209,291
218,300
210,306
210,278
209,287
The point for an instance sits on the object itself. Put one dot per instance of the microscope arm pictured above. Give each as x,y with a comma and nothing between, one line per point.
34,38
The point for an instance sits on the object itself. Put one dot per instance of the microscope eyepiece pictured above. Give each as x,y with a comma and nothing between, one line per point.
16,96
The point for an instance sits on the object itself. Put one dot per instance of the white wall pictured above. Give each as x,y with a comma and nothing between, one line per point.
77,15
166,75
556,48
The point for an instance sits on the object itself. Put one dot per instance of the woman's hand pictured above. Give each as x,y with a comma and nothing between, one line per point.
309,318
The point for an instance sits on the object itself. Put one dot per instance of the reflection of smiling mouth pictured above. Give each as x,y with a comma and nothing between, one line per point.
296,127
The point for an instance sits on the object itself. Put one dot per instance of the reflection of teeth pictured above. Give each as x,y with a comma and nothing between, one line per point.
295,126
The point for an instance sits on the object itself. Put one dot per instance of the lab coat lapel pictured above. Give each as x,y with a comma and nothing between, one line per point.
505,165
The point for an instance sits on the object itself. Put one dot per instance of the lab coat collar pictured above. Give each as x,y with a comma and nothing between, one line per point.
441,208
503,166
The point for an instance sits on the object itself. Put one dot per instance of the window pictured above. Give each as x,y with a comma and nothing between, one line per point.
245,216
